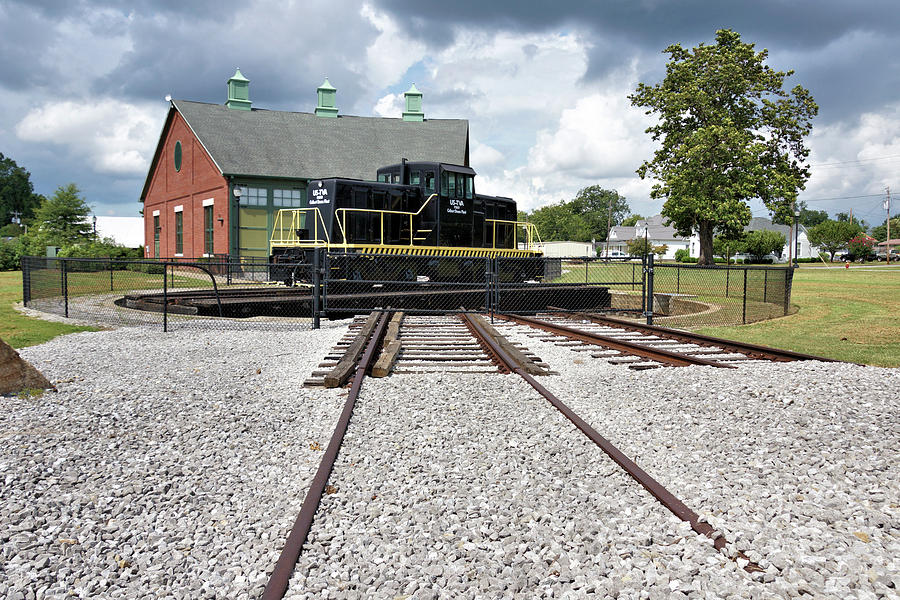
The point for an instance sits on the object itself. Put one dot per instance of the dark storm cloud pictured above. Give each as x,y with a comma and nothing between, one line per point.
807,36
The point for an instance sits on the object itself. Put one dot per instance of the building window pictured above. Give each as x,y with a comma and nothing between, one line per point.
155,236
208,230
253,196
415,178
179,232
177,156
286,198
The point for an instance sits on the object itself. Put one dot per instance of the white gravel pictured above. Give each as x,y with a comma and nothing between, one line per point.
166,466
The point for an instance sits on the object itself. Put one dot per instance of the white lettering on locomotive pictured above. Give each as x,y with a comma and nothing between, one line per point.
320,196
457,207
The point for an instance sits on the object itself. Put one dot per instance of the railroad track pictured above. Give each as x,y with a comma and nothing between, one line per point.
473,346
646,346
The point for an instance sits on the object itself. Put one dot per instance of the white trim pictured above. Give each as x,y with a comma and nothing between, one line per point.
205,255
209,202
179,208
155,213
176,254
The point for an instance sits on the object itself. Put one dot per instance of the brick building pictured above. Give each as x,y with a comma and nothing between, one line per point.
208,151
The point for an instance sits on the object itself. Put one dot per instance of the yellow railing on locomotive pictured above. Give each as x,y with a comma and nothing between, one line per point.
340,216
530,236
284,235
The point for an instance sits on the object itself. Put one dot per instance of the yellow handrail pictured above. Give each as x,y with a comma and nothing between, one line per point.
278,228
531,234
342,219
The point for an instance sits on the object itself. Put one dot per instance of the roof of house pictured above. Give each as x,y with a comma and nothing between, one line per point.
297,145
656,230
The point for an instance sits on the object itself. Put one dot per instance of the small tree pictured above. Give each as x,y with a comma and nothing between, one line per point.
660,250
760,243
861,245
831,236
62,219
638,247
631,220
682,254
726,246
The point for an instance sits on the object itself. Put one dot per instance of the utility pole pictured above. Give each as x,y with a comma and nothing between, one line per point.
887,207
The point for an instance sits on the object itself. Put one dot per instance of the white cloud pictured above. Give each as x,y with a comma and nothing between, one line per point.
855,158
392,53
111,136
485,156
391,105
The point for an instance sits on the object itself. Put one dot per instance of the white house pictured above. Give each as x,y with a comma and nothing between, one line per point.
656,232
764,224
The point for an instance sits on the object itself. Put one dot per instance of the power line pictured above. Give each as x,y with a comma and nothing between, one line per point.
842,198
861,160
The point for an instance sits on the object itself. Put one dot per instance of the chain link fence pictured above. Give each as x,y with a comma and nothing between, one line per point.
218,293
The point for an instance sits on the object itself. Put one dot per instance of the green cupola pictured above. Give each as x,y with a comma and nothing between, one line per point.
327,94
413,110
238,92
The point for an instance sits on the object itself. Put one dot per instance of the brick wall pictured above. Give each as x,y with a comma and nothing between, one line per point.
197,181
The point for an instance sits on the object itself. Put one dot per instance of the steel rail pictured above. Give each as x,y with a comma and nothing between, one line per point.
284,567
751,350
657,354
656,489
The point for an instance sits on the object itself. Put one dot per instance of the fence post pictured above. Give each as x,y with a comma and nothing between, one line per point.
788,279
26,280
165,297
744,310
65,284
727,278
585,270
678,279
649,312
110,274
765,286
632,276
317,286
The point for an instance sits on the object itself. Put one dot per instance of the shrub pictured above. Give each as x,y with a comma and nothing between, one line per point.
682,254
11,252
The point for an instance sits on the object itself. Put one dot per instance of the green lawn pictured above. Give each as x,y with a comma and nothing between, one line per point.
848,314
18,330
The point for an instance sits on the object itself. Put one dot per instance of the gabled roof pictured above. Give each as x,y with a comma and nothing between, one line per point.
295,145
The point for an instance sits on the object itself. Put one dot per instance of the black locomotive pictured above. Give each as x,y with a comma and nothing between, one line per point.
426,209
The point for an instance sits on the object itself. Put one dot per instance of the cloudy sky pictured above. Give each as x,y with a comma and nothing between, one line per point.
542,84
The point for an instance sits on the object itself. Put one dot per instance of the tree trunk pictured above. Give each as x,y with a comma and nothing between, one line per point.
706,243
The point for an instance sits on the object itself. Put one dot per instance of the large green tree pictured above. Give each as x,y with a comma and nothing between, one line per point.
17,197
880,232
831,236
600,208
61,219
557,222
728,132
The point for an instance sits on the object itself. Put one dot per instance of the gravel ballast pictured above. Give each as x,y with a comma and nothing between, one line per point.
173,465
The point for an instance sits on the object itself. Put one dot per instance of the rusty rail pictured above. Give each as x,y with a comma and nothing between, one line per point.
751,350
284,567
656,489
657,354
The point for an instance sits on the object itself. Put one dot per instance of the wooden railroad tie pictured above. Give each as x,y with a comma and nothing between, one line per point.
341,373
390,349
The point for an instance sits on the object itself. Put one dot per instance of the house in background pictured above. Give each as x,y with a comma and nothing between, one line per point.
652,228
207,152
658,233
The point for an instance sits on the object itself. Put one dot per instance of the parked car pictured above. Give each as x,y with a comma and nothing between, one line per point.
895,255
850,257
